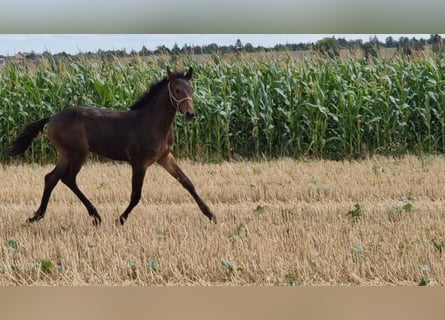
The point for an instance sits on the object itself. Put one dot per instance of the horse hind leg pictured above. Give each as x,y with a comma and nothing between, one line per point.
69,179
51,180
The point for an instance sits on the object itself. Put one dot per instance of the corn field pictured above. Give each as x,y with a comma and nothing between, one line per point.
251,108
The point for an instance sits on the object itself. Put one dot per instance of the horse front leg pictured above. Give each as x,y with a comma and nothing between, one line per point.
136,188
168,162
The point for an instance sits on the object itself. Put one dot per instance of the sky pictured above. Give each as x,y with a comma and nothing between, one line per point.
10,44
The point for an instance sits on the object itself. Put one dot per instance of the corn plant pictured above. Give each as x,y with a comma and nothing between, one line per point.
251,107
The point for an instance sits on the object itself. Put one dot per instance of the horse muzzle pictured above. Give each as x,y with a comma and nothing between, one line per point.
185,106
189,116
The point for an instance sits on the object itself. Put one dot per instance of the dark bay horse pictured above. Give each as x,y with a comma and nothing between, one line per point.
140,136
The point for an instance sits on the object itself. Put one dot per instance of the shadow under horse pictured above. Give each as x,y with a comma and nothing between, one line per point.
140,136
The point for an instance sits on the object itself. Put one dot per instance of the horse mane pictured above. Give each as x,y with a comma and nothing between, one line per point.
153,91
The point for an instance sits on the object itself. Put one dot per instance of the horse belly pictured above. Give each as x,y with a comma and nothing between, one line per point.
108,146
108,140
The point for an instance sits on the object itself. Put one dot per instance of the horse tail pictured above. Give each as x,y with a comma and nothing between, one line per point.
24,139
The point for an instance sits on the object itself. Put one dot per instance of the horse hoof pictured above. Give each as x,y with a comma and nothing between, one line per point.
213,219
120,221
97,221
33,219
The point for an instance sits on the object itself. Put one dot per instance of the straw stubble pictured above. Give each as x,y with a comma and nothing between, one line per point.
282,222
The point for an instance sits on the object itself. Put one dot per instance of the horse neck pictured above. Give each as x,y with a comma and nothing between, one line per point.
161,113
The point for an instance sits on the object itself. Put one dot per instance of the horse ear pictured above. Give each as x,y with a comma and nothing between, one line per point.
170,74
189,74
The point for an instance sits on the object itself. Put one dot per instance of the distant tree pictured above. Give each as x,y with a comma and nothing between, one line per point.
162,50
249,47
434,38
228,49
197,49
353,44
403,42
279,47
328,47
343,43
417,45
119,53
390,43
408,47
144,51
371,48
175,50
437,44
187,49
211,48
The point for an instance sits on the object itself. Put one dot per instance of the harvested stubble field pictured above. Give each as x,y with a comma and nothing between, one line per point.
379,221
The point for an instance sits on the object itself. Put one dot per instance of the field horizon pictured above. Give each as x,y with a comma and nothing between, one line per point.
378,221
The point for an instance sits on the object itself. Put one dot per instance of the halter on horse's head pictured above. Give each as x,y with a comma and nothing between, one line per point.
180,92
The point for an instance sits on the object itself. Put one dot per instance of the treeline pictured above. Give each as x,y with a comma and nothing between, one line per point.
330,46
